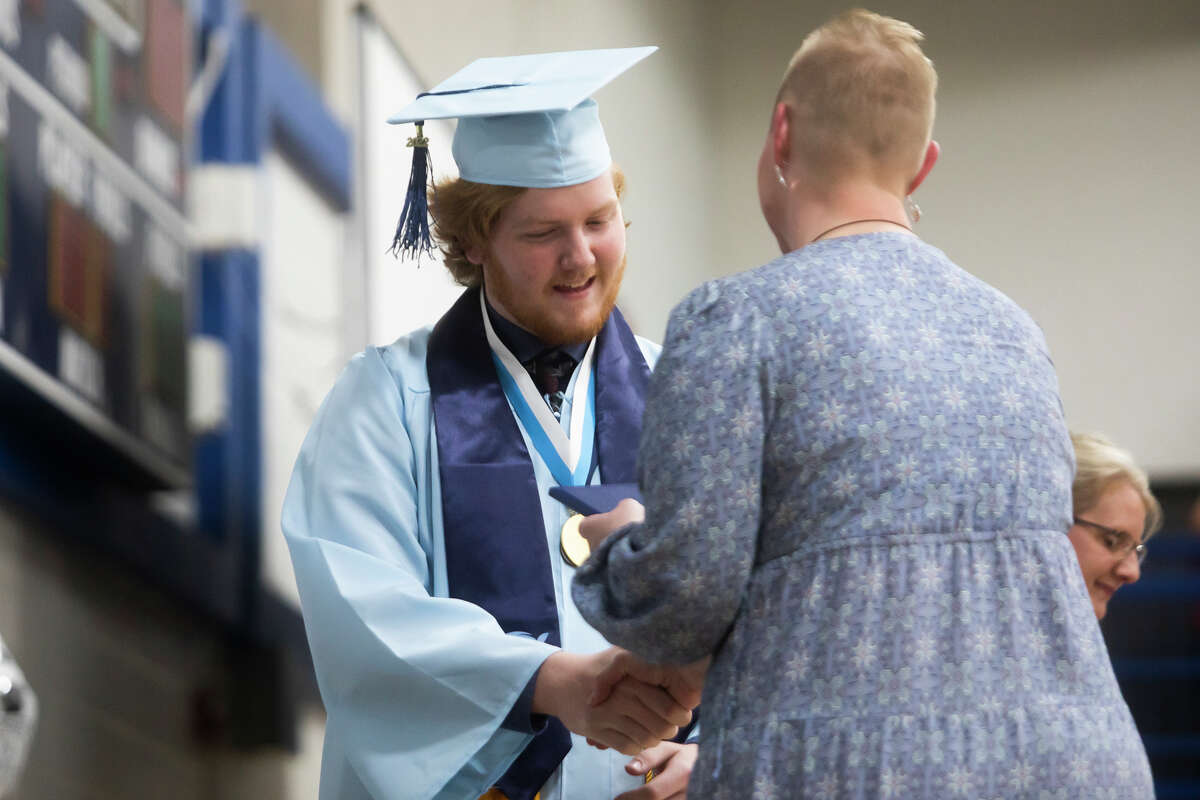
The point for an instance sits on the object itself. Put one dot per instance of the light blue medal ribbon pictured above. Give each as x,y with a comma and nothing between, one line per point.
569,458
562,474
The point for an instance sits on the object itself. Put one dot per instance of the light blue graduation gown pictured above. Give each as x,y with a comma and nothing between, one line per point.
415,683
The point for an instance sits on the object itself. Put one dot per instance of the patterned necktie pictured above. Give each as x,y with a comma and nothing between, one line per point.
551,372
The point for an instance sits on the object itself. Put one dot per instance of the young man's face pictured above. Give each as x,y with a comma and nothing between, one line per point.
555,260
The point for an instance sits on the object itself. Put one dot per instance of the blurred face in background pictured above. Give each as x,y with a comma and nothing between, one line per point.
1105,538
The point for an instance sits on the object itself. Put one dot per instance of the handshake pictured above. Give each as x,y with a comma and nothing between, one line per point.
617,700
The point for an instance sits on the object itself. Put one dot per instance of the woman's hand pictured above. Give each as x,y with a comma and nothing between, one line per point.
597,527
672,764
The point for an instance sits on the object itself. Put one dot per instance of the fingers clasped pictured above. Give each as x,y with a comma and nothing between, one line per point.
637,716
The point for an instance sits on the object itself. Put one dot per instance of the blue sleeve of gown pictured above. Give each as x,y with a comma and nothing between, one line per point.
669,589
415,686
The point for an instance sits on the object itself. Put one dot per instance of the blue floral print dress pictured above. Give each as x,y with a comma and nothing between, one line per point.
857,480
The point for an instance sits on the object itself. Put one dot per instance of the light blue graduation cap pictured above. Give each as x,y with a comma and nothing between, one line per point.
523,121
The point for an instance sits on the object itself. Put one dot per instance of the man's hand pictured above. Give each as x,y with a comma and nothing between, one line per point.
684,683
635,715
672,764
597,527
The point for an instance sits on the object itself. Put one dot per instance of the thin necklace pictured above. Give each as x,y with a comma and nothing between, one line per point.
855,222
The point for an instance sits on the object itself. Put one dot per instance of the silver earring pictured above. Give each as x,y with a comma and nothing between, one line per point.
912,209
779,176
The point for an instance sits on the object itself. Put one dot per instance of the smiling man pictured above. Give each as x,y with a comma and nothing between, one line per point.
433,568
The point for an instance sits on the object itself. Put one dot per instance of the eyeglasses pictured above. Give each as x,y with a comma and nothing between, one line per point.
1119,543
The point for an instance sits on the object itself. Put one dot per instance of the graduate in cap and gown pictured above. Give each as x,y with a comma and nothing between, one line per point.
434,570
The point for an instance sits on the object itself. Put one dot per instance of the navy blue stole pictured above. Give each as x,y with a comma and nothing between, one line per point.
496,554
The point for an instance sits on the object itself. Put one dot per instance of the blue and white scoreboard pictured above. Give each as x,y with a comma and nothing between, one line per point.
94,287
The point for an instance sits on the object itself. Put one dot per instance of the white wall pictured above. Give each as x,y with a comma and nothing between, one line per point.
301,325
402,294
1074,191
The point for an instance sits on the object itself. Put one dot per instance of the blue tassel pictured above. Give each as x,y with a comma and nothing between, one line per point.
412,231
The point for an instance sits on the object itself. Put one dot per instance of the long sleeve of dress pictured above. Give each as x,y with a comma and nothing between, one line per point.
670,588
416,686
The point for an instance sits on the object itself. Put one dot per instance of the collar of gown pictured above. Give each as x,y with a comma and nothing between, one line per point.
523,344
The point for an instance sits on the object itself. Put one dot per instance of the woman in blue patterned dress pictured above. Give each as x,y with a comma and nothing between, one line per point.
858,487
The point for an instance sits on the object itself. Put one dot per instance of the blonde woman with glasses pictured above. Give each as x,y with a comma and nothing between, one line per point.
1115,514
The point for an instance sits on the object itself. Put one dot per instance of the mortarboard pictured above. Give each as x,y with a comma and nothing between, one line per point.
523,121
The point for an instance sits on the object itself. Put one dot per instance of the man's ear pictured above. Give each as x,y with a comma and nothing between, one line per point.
781,135
474,255
931,156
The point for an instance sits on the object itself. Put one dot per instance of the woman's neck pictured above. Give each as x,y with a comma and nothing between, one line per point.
847,210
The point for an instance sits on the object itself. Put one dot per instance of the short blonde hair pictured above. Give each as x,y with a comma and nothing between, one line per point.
1098,465
464,214
863,96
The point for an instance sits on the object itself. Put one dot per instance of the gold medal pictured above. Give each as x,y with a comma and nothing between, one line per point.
575,548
